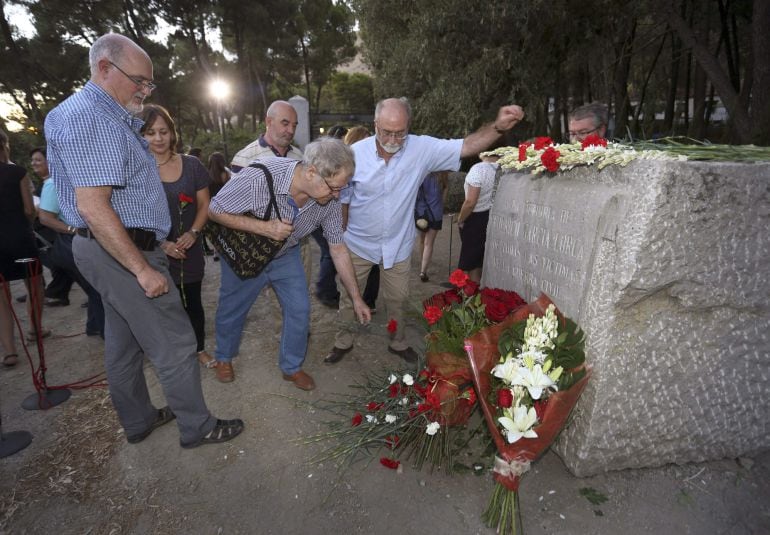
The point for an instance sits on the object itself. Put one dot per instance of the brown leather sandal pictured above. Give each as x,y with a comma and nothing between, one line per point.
206,360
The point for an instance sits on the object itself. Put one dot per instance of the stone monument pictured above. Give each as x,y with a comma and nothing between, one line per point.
665,264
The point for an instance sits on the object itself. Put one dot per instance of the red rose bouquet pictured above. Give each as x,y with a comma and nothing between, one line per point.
451,317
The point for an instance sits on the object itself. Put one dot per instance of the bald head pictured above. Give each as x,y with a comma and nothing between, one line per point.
112,47
281,123
394,108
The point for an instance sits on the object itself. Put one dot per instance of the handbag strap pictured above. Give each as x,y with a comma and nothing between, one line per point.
272,204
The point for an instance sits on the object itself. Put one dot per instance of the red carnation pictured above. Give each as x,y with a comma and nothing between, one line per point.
458,278
523,151
432,314
550,159
424,374
423,407
433,400
389,463
504,398
470,288
391,441
392,326
593,140
357,419
393,390
543,142
185,198
470,396
373,406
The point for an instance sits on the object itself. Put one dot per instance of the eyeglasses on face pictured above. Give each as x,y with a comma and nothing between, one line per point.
582,133
149,85
334,189
397,136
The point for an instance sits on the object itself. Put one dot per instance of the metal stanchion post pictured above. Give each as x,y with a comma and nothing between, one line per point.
44,398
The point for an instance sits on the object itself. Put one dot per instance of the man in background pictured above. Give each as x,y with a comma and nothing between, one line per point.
586,120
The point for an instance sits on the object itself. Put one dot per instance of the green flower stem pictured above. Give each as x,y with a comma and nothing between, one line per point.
501,513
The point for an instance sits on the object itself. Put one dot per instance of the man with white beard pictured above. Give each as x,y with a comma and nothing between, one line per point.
380,231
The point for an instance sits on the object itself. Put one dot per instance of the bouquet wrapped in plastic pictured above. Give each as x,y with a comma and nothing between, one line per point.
529,372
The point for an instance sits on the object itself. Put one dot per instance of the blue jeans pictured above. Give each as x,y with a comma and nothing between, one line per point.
326,287
236,297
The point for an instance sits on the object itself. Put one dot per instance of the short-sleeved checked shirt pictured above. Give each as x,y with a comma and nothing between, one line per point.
94,141
247,192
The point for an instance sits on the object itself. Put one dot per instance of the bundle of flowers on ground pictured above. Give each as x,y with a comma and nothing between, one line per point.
451,317
396,413
545,155
529,372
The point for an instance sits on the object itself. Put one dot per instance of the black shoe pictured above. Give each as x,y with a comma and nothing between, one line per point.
407,354
57,302
165,415
336,354
21,299
331,303
223,431
100,334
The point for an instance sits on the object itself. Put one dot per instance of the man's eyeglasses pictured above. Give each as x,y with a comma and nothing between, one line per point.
149,85
398,136
582,133
334,189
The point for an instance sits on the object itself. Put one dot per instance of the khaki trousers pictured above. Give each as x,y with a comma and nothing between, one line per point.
394,290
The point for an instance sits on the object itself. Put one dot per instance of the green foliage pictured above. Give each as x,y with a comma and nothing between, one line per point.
593,495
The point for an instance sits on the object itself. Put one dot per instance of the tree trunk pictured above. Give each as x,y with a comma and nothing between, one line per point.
738,115
622,70
760,101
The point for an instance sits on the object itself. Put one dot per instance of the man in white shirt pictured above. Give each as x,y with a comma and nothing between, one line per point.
389,169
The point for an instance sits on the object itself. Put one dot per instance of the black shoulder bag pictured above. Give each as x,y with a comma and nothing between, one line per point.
247,253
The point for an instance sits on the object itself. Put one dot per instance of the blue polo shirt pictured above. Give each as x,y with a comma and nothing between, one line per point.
382,196
94,141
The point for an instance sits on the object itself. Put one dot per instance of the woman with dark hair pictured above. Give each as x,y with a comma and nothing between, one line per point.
218,172
186,183
17,211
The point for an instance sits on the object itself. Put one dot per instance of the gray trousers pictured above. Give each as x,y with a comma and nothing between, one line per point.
135,326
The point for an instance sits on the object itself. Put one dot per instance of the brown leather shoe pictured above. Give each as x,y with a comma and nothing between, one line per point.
225,372
301,380
336,354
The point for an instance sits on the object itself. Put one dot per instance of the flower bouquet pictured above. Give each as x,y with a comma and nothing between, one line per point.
529,372
398,412
545,155
452,316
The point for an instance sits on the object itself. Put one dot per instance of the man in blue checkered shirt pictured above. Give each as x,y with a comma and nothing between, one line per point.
110,192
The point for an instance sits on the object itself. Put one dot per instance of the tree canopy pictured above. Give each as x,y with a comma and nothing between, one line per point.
665,67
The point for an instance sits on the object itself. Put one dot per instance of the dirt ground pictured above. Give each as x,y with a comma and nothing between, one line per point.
80,476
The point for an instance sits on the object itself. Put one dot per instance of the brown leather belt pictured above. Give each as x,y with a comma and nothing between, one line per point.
143,239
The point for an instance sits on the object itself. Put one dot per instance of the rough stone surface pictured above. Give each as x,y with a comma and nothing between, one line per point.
665,266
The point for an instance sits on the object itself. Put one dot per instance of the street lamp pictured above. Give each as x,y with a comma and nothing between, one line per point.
220,90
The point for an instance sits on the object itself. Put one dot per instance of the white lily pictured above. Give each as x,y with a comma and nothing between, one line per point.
518,423
408,379
432,428
389,418
535,380
508,370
